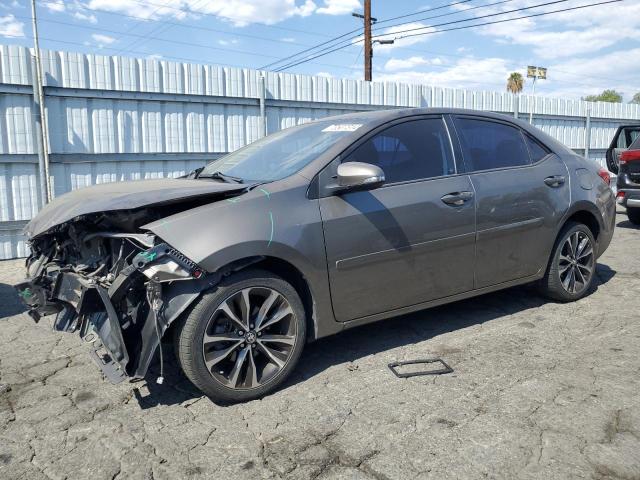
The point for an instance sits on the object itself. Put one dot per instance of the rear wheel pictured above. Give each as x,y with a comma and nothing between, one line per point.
242,340
634,215
572,265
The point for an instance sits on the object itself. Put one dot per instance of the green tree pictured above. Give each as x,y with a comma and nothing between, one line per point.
609,95
515,83
636,98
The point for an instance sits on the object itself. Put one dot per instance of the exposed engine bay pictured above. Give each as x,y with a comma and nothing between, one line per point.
117,285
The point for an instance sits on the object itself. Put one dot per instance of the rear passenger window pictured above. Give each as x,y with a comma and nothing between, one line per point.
412,150
537,151
487,145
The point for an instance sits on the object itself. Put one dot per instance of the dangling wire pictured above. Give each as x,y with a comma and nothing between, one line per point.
155,306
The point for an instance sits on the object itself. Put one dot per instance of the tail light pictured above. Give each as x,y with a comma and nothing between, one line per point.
629,156
605,175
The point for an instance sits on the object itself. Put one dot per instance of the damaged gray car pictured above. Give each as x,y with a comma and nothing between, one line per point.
309,231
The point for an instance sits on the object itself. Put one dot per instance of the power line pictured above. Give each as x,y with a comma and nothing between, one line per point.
512,19
452,13
140,36
357,30
325,52
515,10
341,45
169,57
264,67
159,29
423,11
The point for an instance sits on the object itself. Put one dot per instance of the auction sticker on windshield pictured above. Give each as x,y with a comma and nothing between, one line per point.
342,127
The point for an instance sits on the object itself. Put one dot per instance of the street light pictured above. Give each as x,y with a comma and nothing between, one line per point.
535,73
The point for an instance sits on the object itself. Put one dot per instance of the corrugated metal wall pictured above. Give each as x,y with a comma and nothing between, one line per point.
120,118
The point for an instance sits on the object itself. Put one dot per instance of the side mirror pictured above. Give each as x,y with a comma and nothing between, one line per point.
359,176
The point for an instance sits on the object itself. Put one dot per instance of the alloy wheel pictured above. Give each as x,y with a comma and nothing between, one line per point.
576,262
249,338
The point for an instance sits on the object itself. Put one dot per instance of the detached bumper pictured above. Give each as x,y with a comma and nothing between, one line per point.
74,299
122,348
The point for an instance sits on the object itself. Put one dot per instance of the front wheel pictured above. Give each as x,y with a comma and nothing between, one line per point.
243,339
633,214
572,265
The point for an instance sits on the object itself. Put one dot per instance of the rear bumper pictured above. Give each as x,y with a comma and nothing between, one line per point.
629,198
628,194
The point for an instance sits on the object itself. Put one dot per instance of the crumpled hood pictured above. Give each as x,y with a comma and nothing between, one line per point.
123,196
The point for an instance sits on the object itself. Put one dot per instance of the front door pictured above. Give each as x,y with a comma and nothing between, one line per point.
409,241
522,192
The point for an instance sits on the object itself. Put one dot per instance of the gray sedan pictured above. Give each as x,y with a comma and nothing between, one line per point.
312,230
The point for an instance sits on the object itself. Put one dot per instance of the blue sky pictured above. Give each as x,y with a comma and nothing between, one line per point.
585,50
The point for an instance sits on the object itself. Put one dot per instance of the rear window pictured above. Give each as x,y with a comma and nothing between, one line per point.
536,150
487,145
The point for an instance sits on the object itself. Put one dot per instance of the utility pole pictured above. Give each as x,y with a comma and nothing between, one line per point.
368,42
368,47
38,93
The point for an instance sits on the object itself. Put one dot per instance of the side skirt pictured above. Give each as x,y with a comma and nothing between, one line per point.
441,301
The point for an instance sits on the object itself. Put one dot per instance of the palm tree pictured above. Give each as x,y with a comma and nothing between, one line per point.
515,83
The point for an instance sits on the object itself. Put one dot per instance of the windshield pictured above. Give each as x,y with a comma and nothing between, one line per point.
281,154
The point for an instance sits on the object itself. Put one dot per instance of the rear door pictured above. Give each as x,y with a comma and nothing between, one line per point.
522,191
409,241
623,138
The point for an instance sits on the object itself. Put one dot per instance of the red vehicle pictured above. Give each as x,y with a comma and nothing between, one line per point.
623,158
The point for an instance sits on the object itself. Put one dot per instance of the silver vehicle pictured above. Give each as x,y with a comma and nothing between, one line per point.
310,231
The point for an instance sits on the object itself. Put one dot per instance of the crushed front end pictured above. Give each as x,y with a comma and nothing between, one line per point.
119,290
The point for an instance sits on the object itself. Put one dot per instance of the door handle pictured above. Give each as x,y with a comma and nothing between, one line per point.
457,199
554,181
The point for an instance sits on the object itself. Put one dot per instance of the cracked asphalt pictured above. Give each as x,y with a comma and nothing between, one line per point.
540,390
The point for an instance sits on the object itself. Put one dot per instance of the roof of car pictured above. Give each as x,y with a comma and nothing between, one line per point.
392,113
376,117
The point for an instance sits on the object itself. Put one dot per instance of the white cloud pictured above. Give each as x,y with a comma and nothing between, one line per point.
288,39
324,74
11,27
54,5
583,76
339,7
239,12
473,73
91,18
227,42
394,64
103,39
154,56
567,34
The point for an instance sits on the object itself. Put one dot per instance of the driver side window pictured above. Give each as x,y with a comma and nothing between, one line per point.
413,150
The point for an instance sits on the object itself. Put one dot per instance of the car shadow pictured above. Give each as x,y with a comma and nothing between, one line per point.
627,224
11,304
371,339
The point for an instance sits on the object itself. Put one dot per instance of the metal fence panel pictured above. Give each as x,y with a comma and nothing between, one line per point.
115,118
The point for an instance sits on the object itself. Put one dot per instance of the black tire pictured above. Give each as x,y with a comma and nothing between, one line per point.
633,214
208,316
554,283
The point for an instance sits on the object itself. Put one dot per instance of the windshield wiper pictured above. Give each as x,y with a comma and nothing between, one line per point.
221,176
